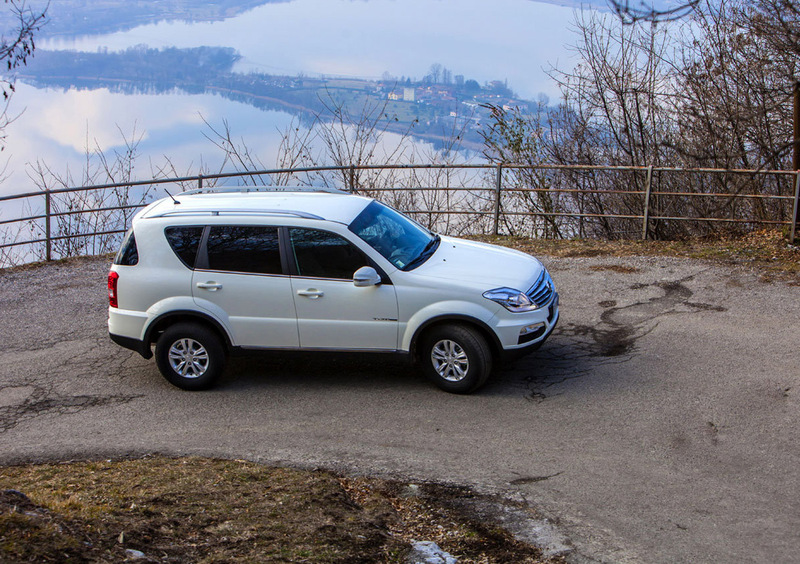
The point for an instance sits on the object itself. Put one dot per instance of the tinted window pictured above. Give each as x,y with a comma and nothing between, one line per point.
128,254
320,254
401,240
244,249
185,241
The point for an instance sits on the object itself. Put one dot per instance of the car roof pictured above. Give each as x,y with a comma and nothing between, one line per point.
334,206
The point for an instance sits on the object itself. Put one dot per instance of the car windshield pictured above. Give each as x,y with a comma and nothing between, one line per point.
402,241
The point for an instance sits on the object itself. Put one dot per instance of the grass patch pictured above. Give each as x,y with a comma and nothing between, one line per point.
208,510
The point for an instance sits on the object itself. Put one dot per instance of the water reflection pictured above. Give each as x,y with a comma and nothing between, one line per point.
56,126
502,39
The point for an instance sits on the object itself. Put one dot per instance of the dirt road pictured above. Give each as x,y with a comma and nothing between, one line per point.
659,424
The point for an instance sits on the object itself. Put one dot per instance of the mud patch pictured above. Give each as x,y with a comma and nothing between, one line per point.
576,350
532,479
619,268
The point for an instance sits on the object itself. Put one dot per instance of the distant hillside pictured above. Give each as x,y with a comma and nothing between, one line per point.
427,109
171,65
89,17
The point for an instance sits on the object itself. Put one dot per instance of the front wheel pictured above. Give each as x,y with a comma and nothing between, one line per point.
456,358
190,356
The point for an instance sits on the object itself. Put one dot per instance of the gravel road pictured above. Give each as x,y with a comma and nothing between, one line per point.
658,424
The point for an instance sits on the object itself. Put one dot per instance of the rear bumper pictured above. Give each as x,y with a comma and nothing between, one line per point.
132,344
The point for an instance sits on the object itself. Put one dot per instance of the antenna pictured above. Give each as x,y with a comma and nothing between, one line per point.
176,202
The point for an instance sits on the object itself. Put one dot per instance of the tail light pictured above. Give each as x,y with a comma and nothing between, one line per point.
113,277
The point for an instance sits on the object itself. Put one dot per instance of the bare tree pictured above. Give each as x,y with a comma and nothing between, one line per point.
739,63
777,22
618,110
436,73
517,138
101,211
236,153
632,11
16,47
712,90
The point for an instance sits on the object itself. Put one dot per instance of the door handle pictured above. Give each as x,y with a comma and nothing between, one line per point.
311,293
210,286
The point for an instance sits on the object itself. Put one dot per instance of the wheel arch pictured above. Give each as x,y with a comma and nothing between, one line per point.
165,320
455,319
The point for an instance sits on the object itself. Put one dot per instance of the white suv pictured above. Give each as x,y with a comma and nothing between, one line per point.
207,273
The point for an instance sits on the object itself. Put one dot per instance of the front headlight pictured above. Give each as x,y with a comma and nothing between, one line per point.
513,300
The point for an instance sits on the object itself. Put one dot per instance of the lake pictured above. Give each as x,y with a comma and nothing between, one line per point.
513,40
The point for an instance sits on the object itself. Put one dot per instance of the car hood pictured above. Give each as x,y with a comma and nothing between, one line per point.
488,266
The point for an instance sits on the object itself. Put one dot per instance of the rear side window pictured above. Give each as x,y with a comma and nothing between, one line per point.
185,240
128,254
253,249
320,254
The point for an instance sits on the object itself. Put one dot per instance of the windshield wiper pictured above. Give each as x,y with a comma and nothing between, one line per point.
426,253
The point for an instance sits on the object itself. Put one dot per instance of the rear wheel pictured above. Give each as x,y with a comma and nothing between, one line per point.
456,358
190,356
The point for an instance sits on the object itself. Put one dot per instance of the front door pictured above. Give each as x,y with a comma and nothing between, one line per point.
332,313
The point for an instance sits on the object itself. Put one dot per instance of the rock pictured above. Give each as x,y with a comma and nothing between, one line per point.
427,552
134,554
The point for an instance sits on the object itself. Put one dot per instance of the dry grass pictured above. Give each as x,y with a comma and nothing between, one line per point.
768,251
202,510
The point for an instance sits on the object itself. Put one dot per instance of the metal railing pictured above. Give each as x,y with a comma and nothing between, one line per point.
496,212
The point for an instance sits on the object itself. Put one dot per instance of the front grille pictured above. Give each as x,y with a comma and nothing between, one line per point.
542,290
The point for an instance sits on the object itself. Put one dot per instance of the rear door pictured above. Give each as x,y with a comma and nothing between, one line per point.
332,313
240,278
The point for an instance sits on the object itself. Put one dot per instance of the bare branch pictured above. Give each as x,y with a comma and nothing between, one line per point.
16,46
632,11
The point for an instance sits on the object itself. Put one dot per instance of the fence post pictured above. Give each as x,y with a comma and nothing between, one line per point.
796,209
648,189
199,181
352,179
48,245
498,188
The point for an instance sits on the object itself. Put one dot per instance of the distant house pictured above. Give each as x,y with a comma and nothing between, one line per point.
514,105
406,94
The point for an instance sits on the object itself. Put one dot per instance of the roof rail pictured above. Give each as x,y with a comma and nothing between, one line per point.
249,189
226,211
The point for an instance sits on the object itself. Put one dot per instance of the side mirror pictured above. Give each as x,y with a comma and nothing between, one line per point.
366,276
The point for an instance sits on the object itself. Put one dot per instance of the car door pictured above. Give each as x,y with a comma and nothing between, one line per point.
332,313
240,278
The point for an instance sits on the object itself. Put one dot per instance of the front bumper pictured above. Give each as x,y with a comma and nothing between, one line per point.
524,333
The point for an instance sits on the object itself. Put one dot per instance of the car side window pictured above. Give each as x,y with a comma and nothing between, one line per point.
185,240
244,248
128,254
321,254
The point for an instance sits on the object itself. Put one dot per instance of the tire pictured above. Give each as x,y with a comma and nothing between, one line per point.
456,358
197,344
